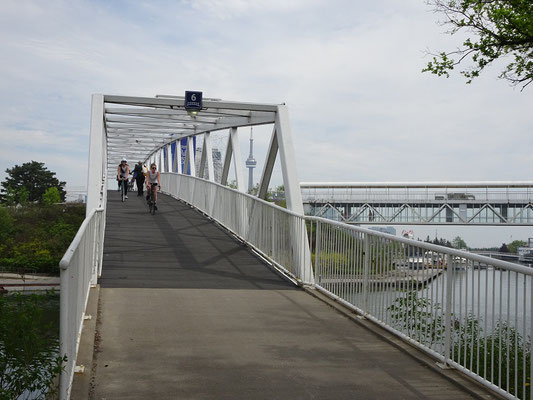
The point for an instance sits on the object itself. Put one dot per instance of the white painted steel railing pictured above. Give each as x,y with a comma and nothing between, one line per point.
79,267
278,234
468,311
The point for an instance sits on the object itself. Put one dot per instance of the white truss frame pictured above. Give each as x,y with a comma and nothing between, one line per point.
143,128
408,197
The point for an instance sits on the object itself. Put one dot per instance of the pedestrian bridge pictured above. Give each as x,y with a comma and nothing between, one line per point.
421,203
217,294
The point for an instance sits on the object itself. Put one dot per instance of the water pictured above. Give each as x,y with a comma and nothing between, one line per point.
43,322
490,295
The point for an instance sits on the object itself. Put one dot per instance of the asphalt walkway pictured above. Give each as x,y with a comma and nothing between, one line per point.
187,312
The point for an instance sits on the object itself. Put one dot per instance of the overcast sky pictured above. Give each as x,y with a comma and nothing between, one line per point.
349,70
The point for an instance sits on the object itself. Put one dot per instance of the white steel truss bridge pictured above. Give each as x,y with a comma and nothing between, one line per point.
421,203
369,272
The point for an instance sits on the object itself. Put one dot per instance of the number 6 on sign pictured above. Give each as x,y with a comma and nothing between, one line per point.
193,100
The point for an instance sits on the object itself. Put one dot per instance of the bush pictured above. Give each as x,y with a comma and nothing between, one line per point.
472,348
37,236
51,196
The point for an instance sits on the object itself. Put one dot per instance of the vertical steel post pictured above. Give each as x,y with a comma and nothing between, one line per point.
318,249
237,159
64,303
209,156
177,159
169,158
96,154
366,272
448,311
190,156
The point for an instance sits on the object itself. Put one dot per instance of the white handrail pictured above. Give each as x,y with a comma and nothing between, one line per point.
78,268
450,303
430,246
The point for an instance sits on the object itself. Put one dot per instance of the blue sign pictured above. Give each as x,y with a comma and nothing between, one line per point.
193,100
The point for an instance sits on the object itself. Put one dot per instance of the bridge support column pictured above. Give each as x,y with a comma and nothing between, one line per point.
169,158
97,161
281,140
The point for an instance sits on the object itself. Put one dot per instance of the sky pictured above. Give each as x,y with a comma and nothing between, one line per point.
349,71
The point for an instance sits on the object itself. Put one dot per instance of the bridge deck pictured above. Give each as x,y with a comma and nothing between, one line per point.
187,312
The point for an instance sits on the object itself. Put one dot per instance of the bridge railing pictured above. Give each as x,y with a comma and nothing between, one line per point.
276,233
78,268
470,312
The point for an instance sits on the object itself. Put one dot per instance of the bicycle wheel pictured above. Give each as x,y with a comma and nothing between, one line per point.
123,187
152,208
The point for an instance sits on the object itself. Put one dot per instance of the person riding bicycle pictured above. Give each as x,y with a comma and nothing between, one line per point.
153,179
123,172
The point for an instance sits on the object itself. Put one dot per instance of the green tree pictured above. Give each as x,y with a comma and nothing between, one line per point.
6,224
255,190
459,243
515,244
32,178
12,197
51,196
232,184
499,28
504,248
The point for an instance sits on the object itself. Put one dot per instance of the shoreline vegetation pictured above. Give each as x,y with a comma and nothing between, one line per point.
34,237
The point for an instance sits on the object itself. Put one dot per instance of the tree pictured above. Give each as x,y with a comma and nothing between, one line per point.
504,249
501,28
459,243
6,222
515,244
29,182
51,196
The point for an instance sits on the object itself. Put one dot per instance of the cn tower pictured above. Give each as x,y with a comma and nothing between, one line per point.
250,162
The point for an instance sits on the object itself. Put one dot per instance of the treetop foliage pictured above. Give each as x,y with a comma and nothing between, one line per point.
28,183
501,28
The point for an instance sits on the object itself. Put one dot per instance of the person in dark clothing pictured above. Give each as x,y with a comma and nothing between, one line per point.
139,177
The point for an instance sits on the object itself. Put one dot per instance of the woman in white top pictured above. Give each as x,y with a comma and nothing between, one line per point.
123,172
153,179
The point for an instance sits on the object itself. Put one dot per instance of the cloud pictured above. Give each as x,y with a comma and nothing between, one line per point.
349,71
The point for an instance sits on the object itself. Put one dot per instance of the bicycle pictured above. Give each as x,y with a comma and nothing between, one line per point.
151,201
123,187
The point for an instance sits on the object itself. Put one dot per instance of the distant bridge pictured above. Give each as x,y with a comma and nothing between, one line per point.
427,203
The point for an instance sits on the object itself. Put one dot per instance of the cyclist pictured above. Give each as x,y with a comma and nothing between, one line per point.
153,179
123,172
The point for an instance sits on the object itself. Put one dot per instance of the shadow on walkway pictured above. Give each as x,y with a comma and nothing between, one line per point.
186,312
176,248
